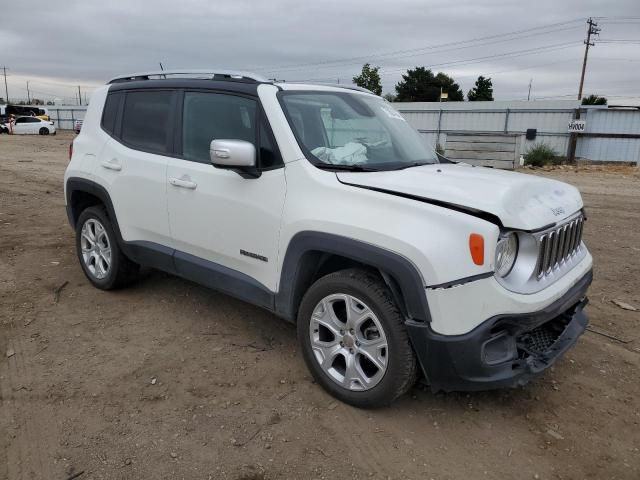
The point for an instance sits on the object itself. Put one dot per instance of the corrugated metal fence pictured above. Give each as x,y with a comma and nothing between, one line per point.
612,134
65,116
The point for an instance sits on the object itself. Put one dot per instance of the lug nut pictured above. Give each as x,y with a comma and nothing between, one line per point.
342,344
357,343
351,350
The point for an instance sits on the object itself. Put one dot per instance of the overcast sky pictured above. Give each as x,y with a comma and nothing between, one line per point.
57,45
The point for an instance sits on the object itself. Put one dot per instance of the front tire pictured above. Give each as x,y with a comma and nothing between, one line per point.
44,131
102,260
354,340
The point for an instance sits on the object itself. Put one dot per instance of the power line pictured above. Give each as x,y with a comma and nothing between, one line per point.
469,61
420,50
537,65
56,84
615,19
623,40
433,50
512,54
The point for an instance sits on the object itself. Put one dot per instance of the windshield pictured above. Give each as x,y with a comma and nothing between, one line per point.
354,130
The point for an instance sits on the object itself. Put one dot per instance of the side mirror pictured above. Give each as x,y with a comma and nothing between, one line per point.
237,155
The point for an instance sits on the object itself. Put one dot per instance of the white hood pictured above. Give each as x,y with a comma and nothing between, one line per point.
520,201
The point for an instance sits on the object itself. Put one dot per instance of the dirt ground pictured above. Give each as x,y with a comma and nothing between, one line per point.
170,380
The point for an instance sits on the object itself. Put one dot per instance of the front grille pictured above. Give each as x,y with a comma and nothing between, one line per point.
557,246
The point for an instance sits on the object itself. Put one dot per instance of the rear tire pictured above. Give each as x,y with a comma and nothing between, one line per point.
102,260
44,131
354,340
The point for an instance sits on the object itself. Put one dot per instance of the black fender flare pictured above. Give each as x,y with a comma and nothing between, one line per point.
145,253
77,184
401,270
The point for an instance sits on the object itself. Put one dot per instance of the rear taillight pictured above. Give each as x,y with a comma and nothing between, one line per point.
70,150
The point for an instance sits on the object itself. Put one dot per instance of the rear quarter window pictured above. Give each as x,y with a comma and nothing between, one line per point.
110,112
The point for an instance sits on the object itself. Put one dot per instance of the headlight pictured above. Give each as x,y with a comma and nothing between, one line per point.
506,253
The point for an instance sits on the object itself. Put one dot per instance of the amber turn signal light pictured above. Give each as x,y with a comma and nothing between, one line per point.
476,247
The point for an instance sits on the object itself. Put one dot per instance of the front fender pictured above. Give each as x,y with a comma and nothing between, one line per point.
401,269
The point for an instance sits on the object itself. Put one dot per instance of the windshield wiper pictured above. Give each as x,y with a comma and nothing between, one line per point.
413,164
346,168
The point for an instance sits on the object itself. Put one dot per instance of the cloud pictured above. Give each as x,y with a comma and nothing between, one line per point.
57,45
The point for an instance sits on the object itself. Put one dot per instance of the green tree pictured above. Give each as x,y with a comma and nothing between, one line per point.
369,78
594,100
483,90
389,97
421,85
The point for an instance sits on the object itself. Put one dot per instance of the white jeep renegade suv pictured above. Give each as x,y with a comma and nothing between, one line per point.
322,205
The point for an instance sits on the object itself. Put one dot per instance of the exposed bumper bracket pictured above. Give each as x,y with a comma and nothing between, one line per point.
505,350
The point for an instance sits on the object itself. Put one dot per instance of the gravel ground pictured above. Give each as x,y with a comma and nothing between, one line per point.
169,380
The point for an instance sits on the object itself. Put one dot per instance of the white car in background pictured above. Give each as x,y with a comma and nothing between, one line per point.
32,125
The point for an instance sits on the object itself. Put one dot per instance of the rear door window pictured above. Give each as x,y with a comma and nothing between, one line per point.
147,120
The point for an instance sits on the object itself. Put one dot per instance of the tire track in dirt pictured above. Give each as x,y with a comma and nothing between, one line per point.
24,453
19,443
367,455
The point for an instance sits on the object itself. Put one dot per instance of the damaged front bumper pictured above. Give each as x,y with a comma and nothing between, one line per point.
505,350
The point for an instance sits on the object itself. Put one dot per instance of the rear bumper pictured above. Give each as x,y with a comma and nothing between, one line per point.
505,350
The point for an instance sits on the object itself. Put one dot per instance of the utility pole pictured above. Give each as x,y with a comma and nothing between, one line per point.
79,96
529,94
6,89
28,95
592,29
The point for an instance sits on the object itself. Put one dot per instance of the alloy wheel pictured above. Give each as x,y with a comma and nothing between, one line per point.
96,248
348,342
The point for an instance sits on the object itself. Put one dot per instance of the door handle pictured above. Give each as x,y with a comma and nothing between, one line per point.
182,183
112,165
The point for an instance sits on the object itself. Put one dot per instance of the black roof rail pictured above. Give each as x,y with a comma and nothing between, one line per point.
210,74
